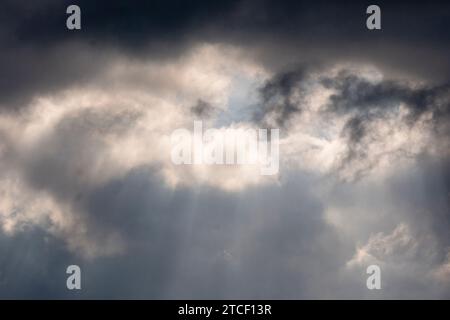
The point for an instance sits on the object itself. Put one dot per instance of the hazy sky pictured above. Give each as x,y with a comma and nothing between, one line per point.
86,178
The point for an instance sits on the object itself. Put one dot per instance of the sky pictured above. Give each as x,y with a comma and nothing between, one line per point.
86,177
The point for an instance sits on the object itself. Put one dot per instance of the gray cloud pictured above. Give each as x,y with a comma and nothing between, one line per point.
276,96
186,246
39,55
216,245
64,194
203,109
367,101
363,101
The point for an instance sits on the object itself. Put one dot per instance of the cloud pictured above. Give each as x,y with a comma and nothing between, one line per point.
442,272
355,115
85,170
39,55
405,258
381,249
72,142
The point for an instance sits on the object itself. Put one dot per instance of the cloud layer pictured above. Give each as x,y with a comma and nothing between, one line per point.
86,176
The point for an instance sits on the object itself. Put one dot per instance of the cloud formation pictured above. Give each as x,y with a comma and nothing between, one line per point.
85,170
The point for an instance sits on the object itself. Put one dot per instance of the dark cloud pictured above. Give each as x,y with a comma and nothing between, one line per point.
273,241
181,245
39,55
368,101
281,97
33,265
277,97
358,94
255,245
203,109
364,101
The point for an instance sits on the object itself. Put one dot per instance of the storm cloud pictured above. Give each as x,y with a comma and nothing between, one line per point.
38,54
86,178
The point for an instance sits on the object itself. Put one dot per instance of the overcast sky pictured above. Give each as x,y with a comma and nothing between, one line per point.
86,178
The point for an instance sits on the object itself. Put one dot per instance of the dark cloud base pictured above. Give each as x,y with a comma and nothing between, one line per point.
180,245
212,245
39,55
